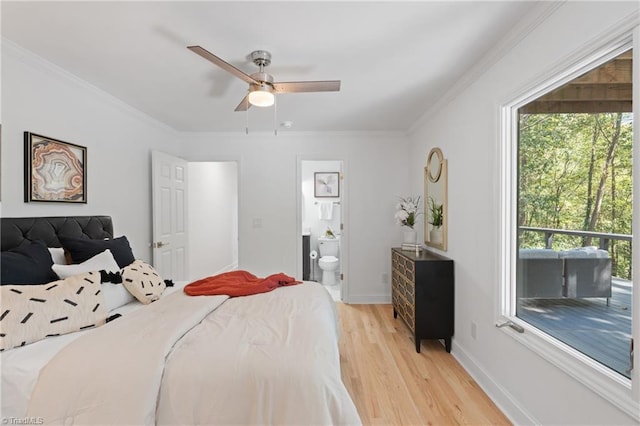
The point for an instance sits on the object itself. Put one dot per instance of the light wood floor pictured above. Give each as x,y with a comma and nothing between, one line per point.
391,384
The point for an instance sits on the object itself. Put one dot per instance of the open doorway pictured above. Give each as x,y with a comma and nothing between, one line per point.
213,218
321,216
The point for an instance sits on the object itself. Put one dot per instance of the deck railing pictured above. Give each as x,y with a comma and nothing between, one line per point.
604,242
604,237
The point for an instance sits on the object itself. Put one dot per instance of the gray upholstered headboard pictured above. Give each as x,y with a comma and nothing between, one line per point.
16,231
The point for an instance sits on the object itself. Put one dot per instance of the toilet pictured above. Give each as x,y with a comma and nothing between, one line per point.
328,262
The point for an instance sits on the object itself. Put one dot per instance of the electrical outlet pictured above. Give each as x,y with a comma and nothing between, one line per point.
473,330
385,278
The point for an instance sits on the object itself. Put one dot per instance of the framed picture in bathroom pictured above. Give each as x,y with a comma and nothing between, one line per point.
326,184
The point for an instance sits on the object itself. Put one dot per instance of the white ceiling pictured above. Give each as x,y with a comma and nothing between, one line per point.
395,59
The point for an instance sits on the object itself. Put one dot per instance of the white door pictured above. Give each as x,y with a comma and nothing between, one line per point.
169,194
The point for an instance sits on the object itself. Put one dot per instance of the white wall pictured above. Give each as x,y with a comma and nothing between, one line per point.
467,129
213,218
41,98
376,174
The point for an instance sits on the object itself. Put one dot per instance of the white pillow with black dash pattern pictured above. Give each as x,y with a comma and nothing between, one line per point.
115,294
143,282
32,312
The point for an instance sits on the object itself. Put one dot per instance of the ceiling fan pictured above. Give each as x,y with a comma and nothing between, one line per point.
262,88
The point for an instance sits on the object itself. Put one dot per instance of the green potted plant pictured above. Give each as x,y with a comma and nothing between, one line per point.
435,216
436,221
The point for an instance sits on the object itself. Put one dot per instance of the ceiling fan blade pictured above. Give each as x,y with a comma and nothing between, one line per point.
307,86
222,64
244,104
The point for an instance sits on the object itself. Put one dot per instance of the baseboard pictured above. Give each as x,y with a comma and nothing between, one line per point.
511,408
381,299
230,267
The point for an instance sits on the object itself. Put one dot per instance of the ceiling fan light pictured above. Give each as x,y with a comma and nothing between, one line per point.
261,97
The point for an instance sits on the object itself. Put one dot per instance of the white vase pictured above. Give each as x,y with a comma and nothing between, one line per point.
435,235
410,236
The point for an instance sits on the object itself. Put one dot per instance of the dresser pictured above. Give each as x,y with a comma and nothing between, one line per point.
422,292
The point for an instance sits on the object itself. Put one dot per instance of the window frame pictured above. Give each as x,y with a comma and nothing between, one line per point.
622,392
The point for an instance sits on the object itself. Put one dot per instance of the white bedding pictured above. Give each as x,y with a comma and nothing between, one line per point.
265,359
21,366
271,358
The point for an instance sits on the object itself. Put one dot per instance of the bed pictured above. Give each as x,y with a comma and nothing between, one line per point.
269,358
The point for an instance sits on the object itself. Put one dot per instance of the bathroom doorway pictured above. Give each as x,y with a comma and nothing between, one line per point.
323,240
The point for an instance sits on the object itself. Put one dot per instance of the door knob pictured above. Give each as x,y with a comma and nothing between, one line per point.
159,244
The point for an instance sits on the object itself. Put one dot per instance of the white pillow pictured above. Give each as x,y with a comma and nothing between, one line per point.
57,255
115,295
143,282
33,312
98,262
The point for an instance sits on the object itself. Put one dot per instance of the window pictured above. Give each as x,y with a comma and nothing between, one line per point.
567,186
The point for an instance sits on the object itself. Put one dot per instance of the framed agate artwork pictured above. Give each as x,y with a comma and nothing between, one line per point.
54,171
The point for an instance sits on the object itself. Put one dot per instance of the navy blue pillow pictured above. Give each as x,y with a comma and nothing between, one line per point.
82,249
27,264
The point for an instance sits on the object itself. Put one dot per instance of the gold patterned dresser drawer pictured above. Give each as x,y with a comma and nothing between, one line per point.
403,291
422,294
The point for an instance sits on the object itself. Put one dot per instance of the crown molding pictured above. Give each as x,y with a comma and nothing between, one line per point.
520,31
8,47
29,58
381,134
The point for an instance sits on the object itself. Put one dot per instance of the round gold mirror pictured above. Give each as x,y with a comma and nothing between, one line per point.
434,165
435,200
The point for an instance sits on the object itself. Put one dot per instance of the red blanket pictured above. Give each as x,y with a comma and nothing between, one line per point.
238,283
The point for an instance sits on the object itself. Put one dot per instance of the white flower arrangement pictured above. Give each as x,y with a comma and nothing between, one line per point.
408,210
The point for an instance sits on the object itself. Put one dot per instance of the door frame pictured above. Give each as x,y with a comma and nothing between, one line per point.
344,209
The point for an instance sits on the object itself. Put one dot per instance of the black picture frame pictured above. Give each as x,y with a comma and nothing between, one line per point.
54,170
